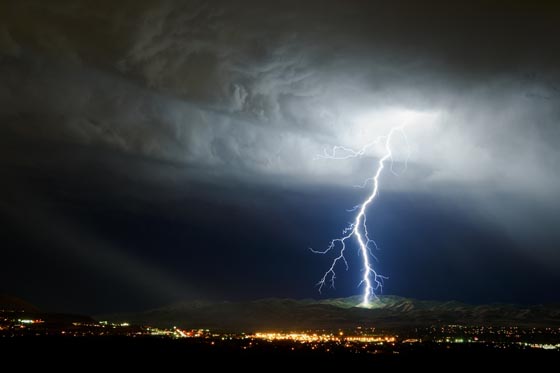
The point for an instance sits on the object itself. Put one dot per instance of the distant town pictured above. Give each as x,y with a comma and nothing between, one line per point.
358,340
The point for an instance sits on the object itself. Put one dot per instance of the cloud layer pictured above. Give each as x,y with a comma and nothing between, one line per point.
189,94
264,87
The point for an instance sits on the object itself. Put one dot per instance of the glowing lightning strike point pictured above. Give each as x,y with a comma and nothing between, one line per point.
358,229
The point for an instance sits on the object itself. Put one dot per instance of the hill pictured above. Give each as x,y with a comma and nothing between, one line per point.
14,304
387,312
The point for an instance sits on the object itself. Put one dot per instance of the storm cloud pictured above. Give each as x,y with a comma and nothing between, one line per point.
179,99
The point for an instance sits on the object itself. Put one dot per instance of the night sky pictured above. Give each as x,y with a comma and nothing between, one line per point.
158,151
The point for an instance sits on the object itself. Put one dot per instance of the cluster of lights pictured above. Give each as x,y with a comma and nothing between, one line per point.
30,321
296,337
314,337
370,339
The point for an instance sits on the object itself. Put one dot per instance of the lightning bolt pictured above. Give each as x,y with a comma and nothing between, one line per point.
372,280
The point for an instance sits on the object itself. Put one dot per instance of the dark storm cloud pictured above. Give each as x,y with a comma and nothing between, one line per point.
264,85
198,100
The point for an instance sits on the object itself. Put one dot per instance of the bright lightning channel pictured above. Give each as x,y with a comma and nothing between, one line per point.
372,280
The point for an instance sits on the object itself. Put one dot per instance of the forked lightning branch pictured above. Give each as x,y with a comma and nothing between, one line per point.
371,280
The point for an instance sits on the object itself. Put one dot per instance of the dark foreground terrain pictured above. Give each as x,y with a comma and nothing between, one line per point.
166,352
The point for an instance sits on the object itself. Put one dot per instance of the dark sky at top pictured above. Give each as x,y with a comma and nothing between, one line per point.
154,151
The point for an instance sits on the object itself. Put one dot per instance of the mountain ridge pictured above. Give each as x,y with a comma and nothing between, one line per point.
388,312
